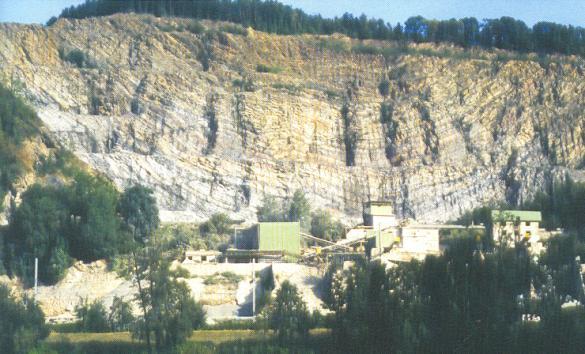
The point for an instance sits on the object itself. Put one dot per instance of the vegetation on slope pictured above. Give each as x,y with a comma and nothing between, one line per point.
272,16
17,123
68,213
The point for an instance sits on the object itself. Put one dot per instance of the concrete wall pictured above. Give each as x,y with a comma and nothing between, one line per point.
383,221
379,209
420,239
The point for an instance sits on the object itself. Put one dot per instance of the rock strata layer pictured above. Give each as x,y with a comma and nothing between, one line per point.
215,121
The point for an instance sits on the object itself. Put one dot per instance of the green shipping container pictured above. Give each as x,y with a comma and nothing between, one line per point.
279,236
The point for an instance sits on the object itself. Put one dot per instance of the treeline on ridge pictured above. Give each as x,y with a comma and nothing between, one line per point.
271,16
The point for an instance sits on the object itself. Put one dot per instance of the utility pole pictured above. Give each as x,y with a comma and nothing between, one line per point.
36,277
379,243
253,287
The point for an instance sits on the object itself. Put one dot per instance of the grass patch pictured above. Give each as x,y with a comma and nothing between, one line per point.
291,88
334,45
332,94
246,84
223,278
165,27
263,68
234,29
202,341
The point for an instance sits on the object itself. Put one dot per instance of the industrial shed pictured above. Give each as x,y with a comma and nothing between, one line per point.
272,236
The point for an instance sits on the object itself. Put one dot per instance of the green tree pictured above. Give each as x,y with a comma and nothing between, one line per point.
170,314
120,317
139,212
22,323
299,209
92,316
94,230
270,211
323,226
288,315
36,230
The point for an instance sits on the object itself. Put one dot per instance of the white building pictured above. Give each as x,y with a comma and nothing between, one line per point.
201,256
511,226
419,238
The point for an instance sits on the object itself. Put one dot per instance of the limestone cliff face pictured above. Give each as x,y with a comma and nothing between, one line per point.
196,118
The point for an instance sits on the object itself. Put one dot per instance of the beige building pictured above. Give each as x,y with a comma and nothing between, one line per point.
511,226
379,215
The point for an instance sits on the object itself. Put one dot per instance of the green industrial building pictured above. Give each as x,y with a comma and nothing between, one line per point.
282,237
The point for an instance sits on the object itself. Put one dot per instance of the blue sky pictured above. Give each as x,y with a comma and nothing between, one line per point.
530,11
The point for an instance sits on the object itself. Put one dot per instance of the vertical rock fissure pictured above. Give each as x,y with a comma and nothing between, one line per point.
212,123
349,118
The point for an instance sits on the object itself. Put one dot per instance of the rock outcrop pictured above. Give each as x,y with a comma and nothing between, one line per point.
215,121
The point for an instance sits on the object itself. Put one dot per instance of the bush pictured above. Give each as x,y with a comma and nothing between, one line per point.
322,226
246,84
77,57
218,224
234,29
384,88
195,27
165,27
263,68
293,89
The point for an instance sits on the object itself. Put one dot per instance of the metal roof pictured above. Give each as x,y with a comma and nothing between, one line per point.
511,215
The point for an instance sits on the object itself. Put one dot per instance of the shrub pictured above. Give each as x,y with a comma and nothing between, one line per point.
324,227
263,68
165,27
246,84
334,45
195,27
293,89
77,57
331,94
218,224
384,88
234,29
